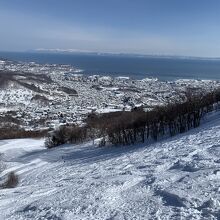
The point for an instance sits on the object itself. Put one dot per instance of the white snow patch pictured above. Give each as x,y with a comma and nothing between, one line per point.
177,178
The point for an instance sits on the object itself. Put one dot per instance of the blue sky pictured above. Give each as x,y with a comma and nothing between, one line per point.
160,27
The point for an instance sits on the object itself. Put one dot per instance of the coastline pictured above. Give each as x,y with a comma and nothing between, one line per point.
136,67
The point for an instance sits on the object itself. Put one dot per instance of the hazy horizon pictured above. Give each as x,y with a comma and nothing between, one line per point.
103,53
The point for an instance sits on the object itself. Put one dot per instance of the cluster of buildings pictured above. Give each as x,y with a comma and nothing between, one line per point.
70,95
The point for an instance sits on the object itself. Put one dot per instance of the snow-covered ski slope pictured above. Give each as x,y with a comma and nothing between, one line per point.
177,178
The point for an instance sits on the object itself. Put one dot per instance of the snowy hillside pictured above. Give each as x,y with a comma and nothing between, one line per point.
177,178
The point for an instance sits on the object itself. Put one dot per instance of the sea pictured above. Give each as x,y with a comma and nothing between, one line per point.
133,66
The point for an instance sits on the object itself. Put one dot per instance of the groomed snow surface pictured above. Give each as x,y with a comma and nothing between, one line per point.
177,178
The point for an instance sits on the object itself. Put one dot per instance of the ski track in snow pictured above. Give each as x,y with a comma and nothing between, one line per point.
177,178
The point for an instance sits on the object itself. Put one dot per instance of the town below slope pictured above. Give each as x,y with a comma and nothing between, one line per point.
43,96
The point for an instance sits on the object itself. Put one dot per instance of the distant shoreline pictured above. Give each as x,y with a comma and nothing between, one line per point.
138,67
84,52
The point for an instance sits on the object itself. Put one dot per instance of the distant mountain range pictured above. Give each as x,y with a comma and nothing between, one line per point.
76,51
